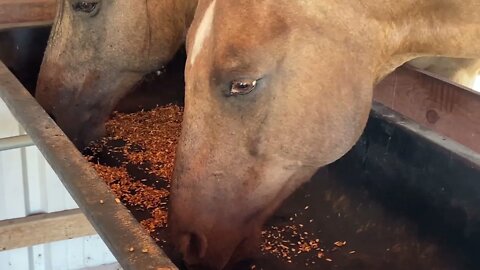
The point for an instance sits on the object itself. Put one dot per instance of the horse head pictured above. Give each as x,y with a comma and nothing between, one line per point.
98,50
276,89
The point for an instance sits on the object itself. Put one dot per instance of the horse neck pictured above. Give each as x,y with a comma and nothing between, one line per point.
414,28
444,27
169,22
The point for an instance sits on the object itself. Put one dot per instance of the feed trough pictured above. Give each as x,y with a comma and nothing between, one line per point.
404,197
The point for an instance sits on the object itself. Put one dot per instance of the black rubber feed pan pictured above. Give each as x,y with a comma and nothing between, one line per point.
403,198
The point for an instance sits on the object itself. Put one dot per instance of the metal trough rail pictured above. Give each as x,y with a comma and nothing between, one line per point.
113,222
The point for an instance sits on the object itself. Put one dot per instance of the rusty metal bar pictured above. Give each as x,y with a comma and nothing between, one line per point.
114,223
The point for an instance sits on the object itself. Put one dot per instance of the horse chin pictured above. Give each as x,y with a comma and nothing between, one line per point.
222,248
246,251
87,134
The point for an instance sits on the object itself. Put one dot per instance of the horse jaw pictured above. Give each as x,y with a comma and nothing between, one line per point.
81,103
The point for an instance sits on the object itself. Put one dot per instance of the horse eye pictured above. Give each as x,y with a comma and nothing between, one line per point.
84,6
242,87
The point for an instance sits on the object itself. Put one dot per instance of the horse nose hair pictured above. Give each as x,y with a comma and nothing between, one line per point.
193,246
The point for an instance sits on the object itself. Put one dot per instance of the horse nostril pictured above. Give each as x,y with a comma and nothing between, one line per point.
193,246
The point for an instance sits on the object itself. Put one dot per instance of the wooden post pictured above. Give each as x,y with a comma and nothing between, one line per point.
447,108
15,13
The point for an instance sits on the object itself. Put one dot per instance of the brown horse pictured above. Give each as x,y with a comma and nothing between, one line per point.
276,89
98,50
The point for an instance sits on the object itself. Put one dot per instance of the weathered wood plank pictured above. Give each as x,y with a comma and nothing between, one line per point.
447,108
26,12
43,228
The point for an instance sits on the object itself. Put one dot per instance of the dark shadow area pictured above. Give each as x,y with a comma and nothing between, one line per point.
21,50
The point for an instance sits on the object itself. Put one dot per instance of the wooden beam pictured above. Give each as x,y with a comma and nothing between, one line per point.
447,108
26,12
43,228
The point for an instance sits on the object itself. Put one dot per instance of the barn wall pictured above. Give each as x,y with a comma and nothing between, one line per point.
28,186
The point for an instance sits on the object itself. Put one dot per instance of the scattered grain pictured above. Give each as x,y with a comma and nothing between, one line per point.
150,140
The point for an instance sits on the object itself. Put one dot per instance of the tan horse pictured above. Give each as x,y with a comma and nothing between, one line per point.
98,50
276,89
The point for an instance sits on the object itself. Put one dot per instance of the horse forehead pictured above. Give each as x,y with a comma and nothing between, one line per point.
235,29
240,28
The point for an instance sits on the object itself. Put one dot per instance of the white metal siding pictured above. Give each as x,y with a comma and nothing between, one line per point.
28,186
476,86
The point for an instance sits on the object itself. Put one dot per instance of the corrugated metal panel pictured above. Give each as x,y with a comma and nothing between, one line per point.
12,201
28,185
